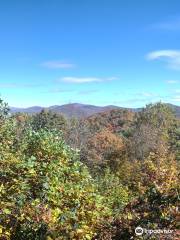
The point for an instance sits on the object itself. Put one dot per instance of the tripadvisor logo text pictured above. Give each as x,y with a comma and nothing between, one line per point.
139,231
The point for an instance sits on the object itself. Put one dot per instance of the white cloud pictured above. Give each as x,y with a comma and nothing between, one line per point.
172,57
172,81
81,80
147,94
112,78
86,79
19,85
88,91
57,65
8,85
59,90
176,99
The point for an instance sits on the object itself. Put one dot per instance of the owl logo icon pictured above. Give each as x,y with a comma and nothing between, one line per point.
139,231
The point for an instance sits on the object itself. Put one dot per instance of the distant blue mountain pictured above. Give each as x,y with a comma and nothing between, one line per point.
79,110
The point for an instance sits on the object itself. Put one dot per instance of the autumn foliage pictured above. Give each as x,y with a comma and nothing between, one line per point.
94,178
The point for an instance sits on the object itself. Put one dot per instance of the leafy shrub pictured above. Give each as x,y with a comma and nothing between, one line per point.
115,195
49,192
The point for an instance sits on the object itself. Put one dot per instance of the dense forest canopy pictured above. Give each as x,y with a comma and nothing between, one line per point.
94,178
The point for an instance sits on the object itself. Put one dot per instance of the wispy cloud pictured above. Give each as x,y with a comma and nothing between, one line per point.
8,85
177,91
19,85
176,98
59,90
57,65
171,25
133,100
79,80
87,92
172,81
171,57
143,97
147,94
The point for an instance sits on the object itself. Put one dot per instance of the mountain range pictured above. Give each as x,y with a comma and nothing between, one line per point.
80,110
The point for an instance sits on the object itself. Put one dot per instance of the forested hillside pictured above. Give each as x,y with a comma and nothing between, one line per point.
80,110
98,177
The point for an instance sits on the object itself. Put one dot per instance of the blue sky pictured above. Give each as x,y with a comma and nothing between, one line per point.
100,52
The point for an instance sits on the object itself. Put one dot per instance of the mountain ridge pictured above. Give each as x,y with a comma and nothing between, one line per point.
80,110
